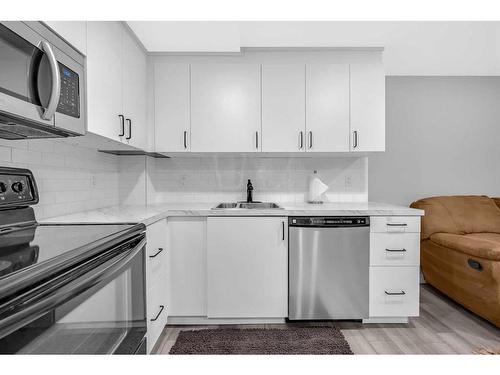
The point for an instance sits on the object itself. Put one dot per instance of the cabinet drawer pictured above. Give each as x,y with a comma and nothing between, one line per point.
156,265
156,314
394,291
388,249
395,224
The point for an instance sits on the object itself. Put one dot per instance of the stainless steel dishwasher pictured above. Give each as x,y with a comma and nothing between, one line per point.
328,267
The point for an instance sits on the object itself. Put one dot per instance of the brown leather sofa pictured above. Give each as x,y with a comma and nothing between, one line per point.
460,250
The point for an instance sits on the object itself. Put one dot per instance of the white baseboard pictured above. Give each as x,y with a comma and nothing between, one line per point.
385,320
192,320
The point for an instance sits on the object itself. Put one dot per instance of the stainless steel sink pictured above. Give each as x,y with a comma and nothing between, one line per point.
258,205
245,205
225,206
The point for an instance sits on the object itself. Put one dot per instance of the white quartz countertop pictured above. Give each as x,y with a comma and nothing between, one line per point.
148,214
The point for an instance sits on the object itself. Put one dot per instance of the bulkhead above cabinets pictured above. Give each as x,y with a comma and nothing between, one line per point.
269,103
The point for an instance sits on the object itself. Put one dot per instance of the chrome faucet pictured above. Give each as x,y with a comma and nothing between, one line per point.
249,191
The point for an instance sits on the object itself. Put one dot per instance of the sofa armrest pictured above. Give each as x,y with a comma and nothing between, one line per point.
472,246
497,201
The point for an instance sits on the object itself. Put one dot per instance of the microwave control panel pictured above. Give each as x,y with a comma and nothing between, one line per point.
69,99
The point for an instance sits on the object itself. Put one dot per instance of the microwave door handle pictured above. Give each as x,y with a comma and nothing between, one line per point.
56,82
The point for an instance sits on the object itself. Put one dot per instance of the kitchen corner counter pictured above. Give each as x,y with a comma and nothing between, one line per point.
151,213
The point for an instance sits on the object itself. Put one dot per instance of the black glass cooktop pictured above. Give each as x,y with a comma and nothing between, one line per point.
38,244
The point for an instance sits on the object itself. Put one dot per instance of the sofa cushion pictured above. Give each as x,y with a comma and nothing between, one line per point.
459,214
495,237
484,245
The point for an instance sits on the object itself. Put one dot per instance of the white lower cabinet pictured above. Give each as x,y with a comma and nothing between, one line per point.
394,267
230,268
157,259
394,291
187,272
247,267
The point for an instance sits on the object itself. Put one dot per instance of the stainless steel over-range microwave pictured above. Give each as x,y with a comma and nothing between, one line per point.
42,83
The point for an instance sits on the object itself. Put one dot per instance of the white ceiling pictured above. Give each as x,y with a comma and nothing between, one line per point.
411,48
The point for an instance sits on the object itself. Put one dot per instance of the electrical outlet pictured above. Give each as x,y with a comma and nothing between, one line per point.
348,183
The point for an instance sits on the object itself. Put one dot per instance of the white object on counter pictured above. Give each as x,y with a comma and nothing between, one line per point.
316,188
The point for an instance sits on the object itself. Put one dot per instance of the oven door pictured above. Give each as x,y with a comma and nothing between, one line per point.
96,307
41,87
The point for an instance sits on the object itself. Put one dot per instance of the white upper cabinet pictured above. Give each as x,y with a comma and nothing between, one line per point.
327,108
116,84
172,111
104,79
134,92
74,32
283,108
367,107
225,108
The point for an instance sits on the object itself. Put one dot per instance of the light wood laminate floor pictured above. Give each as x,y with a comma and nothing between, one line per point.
443,327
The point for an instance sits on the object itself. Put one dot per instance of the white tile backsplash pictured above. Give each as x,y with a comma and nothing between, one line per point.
214,179
70,178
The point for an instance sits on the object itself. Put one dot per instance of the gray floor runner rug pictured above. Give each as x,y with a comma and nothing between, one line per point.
293,340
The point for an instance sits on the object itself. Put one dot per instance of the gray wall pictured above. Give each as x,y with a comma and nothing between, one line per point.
442,137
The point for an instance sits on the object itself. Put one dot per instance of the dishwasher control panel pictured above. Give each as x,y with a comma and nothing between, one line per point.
330,221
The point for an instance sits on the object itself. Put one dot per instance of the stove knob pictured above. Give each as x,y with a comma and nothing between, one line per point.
3,188
17,187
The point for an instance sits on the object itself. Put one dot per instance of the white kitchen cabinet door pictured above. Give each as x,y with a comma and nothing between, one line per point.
247,267
134,92
327,108
283,108
225,108
367,107
172,109
74,32
187,273
104,79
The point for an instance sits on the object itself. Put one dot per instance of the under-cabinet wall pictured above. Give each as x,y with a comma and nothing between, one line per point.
217,179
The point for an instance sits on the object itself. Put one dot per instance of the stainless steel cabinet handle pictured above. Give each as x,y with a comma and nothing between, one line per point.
396,250
257,140
185,140
283,231
402,293
159,313
301,140
129,129
396,224
355,139
56,82
310,140
122,122
160,249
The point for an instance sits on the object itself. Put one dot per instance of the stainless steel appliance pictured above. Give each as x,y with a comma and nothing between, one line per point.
328,267
67,289
42,83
